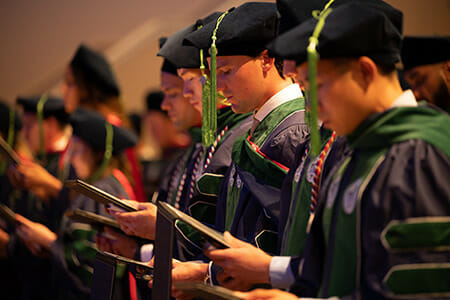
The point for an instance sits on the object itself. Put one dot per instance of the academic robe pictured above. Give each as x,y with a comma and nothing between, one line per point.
50,214
73,253
381,229
297,209
204,185
249,201
173,188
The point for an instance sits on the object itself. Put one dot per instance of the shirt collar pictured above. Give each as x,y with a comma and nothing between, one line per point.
405,99
289,93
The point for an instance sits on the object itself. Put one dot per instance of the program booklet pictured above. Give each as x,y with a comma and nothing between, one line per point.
95,220
98,194
213,237
205,291
143,270
8,153
8,215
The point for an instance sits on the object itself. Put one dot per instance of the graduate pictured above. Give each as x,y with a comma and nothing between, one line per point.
426,63
98,148
39,194
220,128
160,143
10,131
10,126
48,133
89,82
364,240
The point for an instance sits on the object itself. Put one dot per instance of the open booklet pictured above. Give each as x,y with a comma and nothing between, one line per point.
205,291
98,194
211,236
8,153
143,270
8,215
96,221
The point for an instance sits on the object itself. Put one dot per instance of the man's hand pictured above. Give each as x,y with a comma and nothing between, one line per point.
37,179
261,294
116,242
185,271
141,223
243,264
35,235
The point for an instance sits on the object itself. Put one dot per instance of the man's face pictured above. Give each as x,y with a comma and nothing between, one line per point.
180,111
30,131
428,83
192,89
239,78
341,104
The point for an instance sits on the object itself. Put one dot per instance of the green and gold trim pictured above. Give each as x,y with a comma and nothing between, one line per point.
208,184
425,233
419,280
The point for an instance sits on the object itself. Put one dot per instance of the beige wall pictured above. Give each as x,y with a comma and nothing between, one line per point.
38,38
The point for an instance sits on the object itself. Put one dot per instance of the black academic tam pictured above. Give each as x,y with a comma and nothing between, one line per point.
424,50
245,30
90,126
95,71
184,56
362,28
52,106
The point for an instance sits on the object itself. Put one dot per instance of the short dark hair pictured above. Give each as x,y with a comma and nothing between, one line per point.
384,68
278,64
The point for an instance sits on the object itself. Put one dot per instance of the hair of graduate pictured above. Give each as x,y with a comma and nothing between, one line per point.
384,68
63,120
92,97
117,161
278,63
279,66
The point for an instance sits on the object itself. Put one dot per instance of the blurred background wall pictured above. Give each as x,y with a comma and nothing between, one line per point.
38,38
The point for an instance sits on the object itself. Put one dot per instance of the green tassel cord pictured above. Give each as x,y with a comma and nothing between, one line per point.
10,139
313,58
40,115
209,98
108,153
207,130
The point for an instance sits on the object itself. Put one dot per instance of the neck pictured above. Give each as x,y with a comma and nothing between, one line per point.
274,85
386,93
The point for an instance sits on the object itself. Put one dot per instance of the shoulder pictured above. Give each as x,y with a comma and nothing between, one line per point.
284,141
413,177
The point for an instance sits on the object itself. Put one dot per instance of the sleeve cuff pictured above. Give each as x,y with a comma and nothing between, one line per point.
281,275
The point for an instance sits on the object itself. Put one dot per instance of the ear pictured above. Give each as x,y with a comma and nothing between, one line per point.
367,71
267,62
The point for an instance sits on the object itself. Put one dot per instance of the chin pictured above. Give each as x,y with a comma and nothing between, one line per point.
236,109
